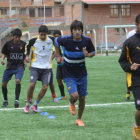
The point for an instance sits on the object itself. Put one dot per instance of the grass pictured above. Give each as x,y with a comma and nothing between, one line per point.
106,84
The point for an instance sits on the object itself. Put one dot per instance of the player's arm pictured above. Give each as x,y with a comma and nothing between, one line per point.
2,59
124,60
89,51
28,48
57,44
4,53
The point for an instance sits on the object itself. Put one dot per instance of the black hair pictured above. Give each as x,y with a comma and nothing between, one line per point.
57,32
137,18
43,29
76,25
16,32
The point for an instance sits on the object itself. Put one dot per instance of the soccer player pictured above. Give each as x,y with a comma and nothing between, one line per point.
40,65
77,47
131,33
59,75
51,79
14,51
130,62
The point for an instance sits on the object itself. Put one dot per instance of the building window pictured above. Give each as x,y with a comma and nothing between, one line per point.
116,10
32,12
125,10
48,12
22,11
61,10
3,11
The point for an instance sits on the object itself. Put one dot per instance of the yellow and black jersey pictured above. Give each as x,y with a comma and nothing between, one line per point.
131,54
42,52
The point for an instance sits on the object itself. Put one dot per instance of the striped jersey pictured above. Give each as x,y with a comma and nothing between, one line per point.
74,59
42,52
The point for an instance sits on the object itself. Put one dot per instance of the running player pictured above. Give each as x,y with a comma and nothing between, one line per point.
130,62
59,74
14,51
77,47
40,65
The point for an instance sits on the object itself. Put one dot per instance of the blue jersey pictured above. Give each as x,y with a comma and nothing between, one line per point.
74,59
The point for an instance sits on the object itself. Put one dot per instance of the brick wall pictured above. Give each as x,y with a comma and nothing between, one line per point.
4,3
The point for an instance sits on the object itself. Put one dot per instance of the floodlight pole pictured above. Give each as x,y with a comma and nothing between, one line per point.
10,9
44,15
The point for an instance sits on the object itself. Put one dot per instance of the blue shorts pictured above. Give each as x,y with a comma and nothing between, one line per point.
77,85
9,73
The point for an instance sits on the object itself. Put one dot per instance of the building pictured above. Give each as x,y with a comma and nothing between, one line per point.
96,14
31,9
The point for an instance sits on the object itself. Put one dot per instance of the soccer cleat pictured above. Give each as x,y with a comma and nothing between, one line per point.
136,133
79,122
127,97
62,98
26,109
72,109
35,108
55,100
16,104
5,103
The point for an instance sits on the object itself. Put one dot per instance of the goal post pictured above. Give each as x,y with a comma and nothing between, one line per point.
113,26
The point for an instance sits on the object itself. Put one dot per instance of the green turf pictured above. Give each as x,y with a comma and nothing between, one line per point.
106,84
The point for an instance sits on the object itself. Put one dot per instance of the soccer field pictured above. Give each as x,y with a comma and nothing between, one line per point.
107,116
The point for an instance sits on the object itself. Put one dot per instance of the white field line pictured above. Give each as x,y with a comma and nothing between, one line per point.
66,106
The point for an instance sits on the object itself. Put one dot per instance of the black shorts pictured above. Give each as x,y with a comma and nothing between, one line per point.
59,74
136,94
43,75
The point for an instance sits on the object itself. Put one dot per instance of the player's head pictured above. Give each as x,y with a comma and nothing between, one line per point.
76,29
16,33
43,31
138,23
57,33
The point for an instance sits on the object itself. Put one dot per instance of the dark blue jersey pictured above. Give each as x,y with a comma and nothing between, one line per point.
74,59
15,54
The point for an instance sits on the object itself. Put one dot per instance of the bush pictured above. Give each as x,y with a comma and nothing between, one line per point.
24,24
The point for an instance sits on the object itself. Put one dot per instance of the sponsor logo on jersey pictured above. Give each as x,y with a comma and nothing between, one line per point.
16,56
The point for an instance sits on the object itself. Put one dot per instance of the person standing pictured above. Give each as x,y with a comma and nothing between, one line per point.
130,62
77,47
14,50
59,74
40,65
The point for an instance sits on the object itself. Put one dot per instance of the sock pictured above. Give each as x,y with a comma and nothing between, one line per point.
17,91
27,104
61,88
4,91
36,102
31,97
53,95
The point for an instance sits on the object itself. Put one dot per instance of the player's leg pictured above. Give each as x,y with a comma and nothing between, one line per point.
18,76
45,78
127,96
136,127
128,93
72,89
52,88
59,77
82,90
6,77
34,75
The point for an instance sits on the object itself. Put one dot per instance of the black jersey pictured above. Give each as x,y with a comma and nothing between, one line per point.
131,54
15,54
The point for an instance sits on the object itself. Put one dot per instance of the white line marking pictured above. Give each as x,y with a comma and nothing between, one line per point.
66,106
